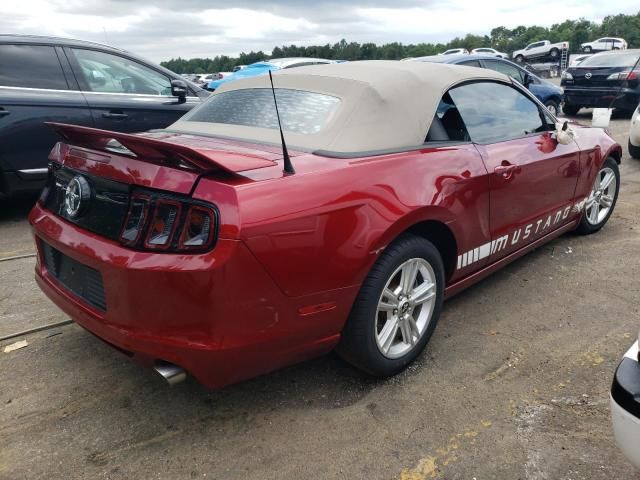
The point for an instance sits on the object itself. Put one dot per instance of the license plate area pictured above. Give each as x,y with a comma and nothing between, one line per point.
80,279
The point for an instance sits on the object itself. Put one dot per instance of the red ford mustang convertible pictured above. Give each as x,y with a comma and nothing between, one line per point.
208,249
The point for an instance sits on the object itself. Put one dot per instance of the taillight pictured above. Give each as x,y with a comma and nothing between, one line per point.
161,222
197,231
134,225
628,75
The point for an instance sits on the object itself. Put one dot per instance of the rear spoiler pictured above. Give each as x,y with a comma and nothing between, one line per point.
151,150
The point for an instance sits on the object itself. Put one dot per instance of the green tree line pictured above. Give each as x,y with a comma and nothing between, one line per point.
500,38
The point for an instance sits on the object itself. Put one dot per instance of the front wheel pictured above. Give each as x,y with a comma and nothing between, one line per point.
634,151
599,205
587,50
552,106
397,308
519,59
554,53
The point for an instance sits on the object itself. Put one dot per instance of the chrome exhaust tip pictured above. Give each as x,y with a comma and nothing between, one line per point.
173,374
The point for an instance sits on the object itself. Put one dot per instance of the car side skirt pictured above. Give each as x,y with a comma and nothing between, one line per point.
466,282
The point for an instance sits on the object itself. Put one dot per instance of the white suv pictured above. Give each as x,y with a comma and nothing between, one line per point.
603,44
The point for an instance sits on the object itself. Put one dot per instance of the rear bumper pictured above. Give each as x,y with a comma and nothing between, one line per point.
602,98
217,315
625,405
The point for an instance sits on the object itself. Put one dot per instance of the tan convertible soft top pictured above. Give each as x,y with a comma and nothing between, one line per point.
385,105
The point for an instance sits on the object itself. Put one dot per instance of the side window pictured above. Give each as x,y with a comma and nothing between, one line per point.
103,72
447,125
471,63
494,112
31,66
503,67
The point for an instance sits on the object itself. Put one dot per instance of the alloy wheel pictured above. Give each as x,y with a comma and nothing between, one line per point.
601,197
405,308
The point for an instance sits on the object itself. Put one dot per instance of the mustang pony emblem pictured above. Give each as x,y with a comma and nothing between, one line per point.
76,196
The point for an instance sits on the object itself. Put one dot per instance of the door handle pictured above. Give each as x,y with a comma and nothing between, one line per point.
4,112
115,115
506,171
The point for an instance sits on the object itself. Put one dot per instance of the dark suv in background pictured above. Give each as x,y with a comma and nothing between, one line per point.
45,79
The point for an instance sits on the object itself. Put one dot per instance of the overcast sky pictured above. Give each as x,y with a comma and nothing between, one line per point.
162,29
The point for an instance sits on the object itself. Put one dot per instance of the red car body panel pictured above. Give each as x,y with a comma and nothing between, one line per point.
292,251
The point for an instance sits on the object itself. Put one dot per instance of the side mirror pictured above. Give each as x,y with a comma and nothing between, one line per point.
564,134
179,89
527,80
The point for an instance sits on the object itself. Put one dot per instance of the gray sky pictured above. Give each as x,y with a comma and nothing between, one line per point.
162,29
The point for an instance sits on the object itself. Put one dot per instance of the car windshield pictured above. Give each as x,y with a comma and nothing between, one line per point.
300,111
627,59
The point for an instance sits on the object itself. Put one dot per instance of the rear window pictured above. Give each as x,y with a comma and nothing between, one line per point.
300,111
31,66
611,60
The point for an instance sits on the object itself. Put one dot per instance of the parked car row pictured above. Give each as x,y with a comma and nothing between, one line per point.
544,49
95,85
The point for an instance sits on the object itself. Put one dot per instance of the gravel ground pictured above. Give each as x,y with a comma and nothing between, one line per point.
513,385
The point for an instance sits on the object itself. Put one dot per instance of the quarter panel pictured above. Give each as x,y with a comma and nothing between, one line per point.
595,147
323,231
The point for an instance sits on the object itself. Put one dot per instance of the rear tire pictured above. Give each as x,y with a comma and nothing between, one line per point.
634,151
397,308
554,53
602,199
571,109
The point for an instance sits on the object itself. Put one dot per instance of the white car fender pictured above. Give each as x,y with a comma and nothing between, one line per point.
634,130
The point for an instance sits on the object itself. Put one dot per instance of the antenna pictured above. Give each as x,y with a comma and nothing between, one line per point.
288,167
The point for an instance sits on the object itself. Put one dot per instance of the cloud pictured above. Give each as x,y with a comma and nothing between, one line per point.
163,29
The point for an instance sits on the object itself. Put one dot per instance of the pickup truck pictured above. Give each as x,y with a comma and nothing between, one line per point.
539,50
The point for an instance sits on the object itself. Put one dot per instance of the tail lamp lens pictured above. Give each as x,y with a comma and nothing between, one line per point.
166,223
135,220
197,231
163,224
